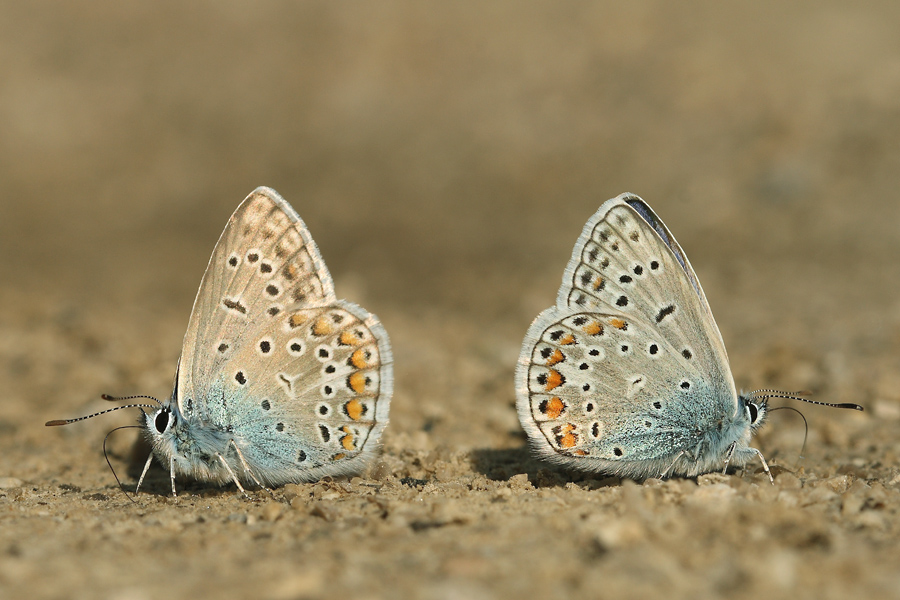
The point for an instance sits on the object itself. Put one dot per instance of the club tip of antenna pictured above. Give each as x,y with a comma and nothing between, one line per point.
56,422
850,405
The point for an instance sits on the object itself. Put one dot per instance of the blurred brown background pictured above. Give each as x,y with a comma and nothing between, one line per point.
445,157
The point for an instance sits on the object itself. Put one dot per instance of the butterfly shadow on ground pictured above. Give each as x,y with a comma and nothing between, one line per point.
503,464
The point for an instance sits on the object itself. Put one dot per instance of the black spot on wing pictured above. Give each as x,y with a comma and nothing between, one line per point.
665,312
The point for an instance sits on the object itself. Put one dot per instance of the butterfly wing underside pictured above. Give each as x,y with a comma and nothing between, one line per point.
303,380
617,374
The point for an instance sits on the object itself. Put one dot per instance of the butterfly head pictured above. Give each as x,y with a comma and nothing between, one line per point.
166,430
163,428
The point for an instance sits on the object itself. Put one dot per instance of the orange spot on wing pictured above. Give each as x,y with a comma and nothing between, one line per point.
598,284
357,382
618,323
348,338
554,379
354,409
554,408
567,340
594,328
566,438
339,456
580,452
296,320
556,357
347,440
322,326
358,359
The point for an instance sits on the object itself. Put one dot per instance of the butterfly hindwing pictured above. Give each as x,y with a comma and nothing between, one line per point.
605,391
311,390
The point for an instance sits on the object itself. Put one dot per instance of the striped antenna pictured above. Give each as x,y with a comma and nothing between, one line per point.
760,395
58,422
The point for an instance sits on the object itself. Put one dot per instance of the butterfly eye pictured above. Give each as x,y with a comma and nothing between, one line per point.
161,422
754,412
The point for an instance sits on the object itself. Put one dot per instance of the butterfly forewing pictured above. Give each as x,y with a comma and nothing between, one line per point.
264,261
622,265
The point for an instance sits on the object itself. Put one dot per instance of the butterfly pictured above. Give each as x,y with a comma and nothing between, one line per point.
278,380
628,374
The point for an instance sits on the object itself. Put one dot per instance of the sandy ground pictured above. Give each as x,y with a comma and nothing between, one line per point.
445,158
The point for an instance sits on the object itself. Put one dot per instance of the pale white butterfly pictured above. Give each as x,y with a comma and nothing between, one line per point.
628,373
278,380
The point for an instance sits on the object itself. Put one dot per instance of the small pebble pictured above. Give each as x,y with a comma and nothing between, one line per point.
271,511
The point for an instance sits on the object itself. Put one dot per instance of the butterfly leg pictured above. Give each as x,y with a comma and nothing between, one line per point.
172,474
144,472
248,471
233,476
728,459
765,465
672,466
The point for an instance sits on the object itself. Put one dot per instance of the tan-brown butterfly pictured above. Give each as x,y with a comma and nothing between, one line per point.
278,381
628,374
